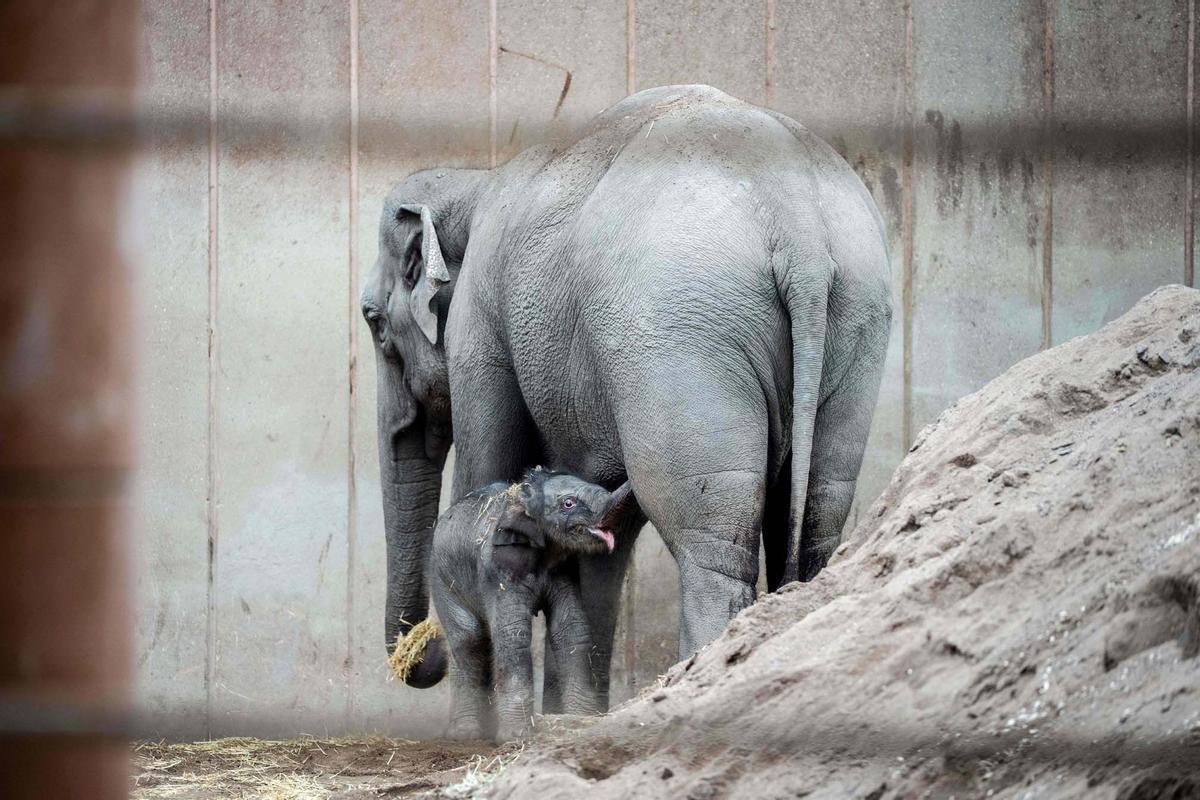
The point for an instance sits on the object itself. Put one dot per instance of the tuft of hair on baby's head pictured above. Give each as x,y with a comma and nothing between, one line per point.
514,496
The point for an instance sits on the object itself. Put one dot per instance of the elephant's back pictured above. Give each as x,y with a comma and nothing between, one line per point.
662,169
634,118
692,129
712,195
670,166
653,140
460,527
656,239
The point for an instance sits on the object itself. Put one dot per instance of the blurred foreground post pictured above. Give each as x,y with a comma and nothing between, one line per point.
65,414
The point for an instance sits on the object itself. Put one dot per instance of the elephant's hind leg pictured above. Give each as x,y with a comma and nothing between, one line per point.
717,556
704,488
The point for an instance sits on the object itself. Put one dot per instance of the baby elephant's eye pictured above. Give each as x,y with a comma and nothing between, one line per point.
567,503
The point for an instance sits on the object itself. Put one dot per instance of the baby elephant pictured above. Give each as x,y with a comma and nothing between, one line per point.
500,555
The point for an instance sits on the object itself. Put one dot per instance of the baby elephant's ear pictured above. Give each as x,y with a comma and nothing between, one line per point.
515,520
530,498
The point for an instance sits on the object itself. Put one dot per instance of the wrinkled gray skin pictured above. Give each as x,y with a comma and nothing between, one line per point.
693,293
501,555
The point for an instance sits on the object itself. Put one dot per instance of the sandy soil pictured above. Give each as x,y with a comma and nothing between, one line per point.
1017,616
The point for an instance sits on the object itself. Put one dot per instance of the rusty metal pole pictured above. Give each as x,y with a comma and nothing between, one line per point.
65,415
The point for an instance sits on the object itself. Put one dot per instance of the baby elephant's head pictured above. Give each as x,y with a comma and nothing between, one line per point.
566,511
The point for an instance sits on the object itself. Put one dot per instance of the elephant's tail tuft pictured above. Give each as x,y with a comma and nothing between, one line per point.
419,657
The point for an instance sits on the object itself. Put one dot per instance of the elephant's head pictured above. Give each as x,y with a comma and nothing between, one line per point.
565,512
422,241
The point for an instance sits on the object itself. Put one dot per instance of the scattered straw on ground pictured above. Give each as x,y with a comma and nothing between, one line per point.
481,772
307,768
293,787
410,649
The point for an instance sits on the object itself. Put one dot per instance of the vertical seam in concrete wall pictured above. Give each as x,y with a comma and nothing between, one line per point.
907,226
770,47
1189,199
1047,172
210,630
630,653
352,366
630,46
493,69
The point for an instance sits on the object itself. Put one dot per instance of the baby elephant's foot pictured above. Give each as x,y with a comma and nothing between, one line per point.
465,729
514,730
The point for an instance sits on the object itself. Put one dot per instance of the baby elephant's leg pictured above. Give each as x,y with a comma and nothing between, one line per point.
511,626
568,636
471,713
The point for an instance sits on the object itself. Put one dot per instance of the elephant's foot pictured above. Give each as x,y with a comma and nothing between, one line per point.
710,599
466,728
514,730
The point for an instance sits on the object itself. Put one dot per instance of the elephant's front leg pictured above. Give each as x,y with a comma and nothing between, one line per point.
494,435
471,713
470,704
512,662
600,582
569,639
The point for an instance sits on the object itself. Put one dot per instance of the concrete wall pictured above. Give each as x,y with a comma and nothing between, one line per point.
1032,160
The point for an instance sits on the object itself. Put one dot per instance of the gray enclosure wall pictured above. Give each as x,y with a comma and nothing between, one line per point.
1032,160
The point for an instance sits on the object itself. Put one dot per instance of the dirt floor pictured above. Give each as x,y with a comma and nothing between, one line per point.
314,769
1018,615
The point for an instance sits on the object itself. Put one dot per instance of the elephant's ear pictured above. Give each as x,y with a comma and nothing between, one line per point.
515,523
427,271
530,496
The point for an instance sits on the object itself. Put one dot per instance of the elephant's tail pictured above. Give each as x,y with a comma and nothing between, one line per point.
840,430
808,312
836,381
835,387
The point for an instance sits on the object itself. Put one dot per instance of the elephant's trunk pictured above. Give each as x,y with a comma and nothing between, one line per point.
411,479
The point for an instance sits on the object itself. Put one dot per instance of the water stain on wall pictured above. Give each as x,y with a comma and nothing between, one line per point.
949,166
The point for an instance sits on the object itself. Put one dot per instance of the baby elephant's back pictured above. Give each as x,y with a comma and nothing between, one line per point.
461,528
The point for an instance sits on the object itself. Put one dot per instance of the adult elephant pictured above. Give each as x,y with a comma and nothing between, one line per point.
693,293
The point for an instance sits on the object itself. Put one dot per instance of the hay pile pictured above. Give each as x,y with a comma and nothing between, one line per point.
1016,616
224,768
311,769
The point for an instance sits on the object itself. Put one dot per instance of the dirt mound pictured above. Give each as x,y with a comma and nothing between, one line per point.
1016,616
